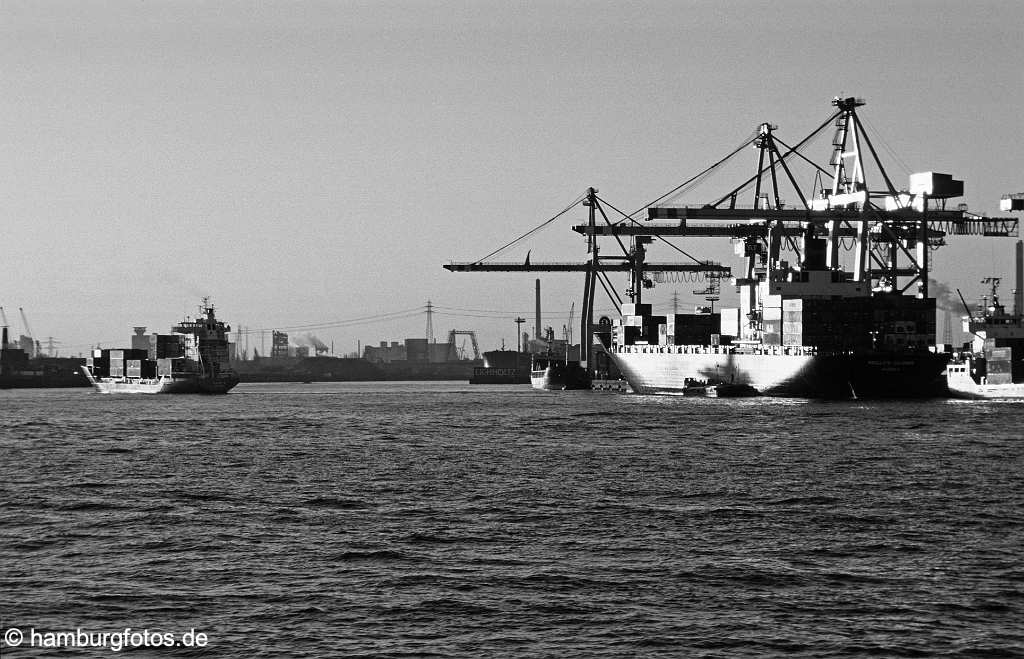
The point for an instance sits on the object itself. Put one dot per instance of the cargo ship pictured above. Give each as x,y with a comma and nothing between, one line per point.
193,358
993,364
807,325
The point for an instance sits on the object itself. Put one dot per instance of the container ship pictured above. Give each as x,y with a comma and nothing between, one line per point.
193,358
807,324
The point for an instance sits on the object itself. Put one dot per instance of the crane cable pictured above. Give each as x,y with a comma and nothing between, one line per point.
626,217
363,320
679,188
535,229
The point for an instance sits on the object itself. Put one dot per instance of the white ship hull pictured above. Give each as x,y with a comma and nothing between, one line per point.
165,384
962,385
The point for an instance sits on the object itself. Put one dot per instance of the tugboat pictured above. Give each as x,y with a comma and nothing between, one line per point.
994,365
192,359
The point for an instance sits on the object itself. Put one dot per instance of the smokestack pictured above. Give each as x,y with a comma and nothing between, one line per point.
536,329
4,344
1018,294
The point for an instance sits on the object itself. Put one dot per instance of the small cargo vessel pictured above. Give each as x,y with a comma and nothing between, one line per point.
557,366
503,367
994,365
193,359
702,389
556,373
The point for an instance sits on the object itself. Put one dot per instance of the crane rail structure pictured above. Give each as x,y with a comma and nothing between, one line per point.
566,266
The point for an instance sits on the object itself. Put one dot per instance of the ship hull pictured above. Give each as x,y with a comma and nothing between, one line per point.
33,381
162,385
41,373
559,376
671,369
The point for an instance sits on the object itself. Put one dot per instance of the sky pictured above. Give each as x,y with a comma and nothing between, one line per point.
312,164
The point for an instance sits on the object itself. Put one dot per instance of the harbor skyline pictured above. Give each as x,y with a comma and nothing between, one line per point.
312,164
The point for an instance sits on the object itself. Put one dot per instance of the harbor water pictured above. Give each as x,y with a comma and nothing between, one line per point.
443,519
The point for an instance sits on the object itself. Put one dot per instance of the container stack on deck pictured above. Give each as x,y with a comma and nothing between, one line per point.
1003,361
153,361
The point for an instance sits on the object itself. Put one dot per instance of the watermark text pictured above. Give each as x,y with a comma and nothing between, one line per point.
115,641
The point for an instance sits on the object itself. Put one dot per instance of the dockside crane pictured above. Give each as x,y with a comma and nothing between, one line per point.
472,337
28,331
597,267
24,321
891,232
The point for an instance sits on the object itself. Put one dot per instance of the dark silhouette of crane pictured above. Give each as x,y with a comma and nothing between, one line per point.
472,337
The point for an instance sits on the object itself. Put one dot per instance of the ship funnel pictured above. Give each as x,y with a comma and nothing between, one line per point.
536,329
1018,293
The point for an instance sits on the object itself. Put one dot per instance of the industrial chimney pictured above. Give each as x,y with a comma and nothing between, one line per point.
1018,293
537,329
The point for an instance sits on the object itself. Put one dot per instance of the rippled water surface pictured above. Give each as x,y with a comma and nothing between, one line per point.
382,519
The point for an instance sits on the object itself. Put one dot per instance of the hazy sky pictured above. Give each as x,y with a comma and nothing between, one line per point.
305,163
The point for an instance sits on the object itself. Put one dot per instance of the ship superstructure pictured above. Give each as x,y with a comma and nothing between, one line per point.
193,358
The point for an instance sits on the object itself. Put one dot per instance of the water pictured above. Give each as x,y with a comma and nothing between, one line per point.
381,519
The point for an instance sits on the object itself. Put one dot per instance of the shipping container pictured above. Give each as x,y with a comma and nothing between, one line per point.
998,378
729,323
631,309
998,354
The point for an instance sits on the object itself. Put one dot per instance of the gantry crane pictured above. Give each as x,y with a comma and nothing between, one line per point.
472,337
